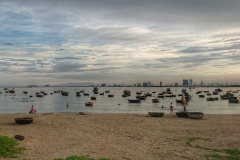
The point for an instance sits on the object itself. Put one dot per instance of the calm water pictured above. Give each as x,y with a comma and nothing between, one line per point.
56,103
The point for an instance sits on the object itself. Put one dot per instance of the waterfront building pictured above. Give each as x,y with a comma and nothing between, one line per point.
190,82
103,85
185,82
176,84
161,83
139,84
144,84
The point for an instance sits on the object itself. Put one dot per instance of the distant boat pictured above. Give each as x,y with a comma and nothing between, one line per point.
86,94
78,94
93,98
155,100
148,94
25,92
102,93
134,100
110,95
210,99
178,101
141,97
156,114
108,91
233,100
89,103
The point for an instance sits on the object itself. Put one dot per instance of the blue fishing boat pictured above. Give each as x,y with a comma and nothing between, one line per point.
134,100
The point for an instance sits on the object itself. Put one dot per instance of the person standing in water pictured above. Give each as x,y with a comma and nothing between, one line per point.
171,109
67,105
32,110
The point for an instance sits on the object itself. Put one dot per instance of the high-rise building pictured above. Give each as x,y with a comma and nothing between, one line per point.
185,82
161,83
149,84
144,84
190,82
176,84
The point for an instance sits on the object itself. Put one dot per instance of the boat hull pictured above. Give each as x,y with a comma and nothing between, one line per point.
156,114
195,115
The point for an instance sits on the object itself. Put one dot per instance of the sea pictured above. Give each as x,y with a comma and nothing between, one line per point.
57,103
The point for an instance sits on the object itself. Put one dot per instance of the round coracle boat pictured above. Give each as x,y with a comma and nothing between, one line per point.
156,114
182,114
195,115
26,120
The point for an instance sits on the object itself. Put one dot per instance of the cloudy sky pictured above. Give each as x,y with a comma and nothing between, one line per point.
115,41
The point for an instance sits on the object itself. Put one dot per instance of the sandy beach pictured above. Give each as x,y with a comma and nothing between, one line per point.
121,136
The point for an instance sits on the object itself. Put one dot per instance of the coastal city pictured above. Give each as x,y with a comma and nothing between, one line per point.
184,83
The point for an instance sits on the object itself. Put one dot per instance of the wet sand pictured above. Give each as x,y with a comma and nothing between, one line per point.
121,136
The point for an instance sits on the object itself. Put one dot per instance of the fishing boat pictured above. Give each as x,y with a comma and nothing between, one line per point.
182,114
102,93
155,100
78,94
86,94
11,91
195,115
95,89
26,120
233,100
156,114
89,103
210,99
124,95
25,92
108,91
141,97
161,96
134,100
148,94
93,98
201,96
110,95
65,93
39,95
178,101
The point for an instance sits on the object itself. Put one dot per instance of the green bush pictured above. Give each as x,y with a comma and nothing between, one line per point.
74,157
8,147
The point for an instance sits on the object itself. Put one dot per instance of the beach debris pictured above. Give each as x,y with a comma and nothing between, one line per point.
81,113
19,137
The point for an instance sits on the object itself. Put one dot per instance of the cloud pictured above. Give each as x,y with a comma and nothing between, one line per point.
8,43
66,58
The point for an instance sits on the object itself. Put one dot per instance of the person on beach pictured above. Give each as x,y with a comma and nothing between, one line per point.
171,109
67,105
32,111
184,108
184,104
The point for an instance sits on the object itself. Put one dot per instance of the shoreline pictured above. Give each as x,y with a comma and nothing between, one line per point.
121,136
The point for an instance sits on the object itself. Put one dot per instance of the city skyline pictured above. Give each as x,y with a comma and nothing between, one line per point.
58,42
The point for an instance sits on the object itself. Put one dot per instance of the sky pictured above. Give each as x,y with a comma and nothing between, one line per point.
115,41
